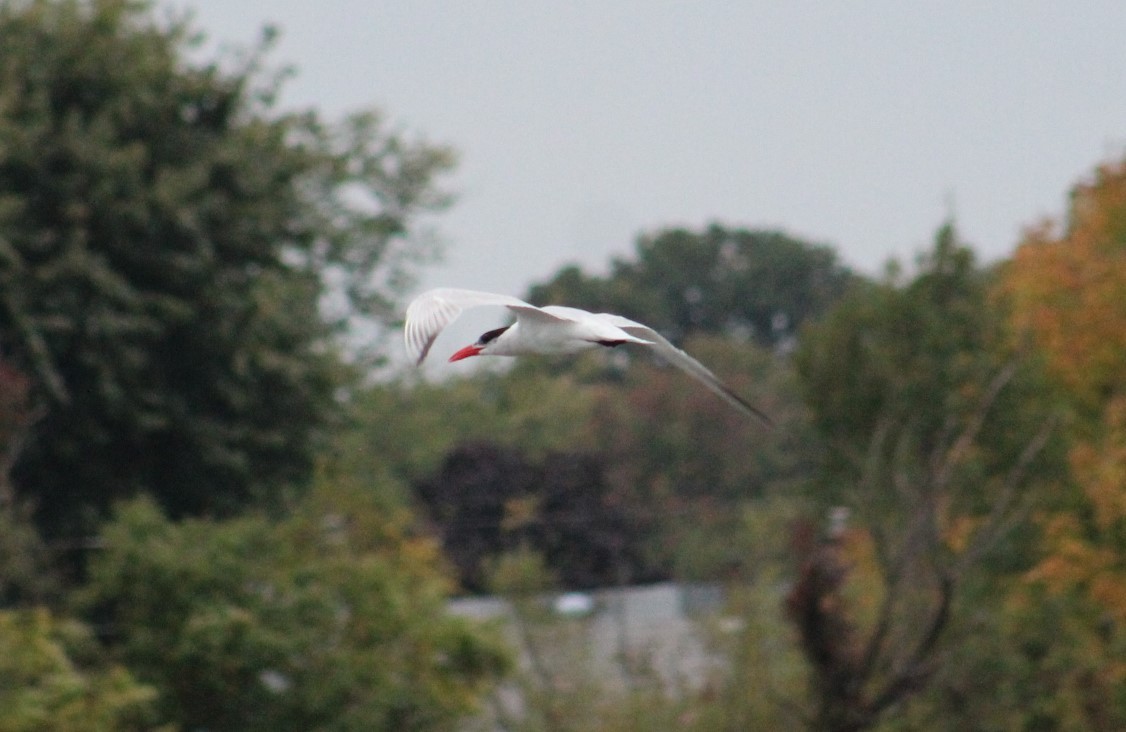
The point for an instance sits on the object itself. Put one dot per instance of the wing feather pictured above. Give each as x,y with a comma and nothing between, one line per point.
433,310
676,357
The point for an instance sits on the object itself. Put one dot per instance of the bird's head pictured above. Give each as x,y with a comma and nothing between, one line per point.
482,347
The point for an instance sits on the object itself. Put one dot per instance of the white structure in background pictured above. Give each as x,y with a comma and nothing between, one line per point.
651,630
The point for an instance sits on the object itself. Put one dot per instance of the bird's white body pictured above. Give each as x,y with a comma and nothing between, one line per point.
553,329
569,331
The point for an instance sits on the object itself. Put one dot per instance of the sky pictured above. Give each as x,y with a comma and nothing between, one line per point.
581,124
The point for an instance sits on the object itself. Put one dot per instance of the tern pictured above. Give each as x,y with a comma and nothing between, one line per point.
552,329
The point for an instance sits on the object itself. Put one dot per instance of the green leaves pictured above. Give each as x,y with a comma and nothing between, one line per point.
178,262
917,358
940,438
52,679
332,618
746,284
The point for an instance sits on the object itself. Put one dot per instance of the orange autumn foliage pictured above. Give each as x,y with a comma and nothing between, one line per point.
1068,289
1068,293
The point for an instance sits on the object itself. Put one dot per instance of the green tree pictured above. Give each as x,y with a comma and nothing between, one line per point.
939,436
683,464
759,284
333,618
52,680
26,575
175,258
908,361
409,427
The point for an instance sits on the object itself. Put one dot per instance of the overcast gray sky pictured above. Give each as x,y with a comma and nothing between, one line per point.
581,124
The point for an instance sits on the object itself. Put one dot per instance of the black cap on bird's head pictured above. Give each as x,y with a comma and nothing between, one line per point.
481,344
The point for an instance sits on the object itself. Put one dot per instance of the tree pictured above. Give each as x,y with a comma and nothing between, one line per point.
939,435
333,618
51,678
1067,288
487,500
409,427
1067,284
683,465
758,284
175,258
920,356
26,575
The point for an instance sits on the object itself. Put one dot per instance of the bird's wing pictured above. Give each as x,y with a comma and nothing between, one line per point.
432,311
686,363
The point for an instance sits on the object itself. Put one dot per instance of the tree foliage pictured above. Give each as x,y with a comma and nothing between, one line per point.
673,464
921,357
938,434
173,255
409,427
26,575
1067,286
184,270
759,284
684,464
52,679
488,500
332,618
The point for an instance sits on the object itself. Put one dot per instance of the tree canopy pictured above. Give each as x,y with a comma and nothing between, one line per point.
51,678
940,436
749,284
175,256
332,618
921,355
487,500
1066,284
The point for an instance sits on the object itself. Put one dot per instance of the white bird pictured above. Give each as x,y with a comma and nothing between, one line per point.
552,329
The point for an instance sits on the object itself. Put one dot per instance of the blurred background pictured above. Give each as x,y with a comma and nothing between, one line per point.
227,503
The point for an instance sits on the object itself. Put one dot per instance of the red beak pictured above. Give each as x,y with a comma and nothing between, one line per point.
465,353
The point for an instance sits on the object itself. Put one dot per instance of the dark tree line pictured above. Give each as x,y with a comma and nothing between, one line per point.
487,500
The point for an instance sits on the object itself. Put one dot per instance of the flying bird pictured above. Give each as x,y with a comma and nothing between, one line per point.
552,329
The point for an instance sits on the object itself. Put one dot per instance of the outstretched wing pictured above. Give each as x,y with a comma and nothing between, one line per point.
432,311
686,363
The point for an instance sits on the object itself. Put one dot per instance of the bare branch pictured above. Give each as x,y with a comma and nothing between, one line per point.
869,479
901,478
977,420
879,634
939,451
915,670
1000,517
